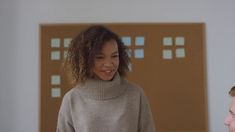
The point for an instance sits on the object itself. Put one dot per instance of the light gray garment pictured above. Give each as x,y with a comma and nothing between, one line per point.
105,106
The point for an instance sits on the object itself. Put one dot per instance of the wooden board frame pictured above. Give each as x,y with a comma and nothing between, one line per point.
170,68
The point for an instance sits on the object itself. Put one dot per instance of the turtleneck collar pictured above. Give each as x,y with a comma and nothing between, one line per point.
100,90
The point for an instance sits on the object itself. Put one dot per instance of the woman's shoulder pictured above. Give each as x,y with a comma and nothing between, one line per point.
73,92
132,86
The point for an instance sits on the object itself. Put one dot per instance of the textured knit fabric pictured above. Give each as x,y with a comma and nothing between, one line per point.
105,106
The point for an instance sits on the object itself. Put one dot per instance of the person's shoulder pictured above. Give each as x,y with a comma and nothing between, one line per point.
73,92
132,86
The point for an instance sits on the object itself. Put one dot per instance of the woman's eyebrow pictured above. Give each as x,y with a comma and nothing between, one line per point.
99,53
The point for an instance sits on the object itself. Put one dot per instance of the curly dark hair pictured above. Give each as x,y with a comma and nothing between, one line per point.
232,91
86,45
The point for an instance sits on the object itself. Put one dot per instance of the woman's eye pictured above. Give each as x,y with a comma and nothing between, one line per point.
99,57
115,56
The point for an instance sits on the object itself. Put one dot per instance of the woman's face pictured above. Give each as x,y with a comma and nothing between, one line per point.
230,119
107,61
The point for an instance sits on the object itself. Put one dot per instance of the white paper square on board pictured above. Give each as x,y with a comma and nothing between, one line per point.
126,40
180,53
139,53
55,92
139,41
167,54
67,42
55,55
179,41
55,42
167,41
55,79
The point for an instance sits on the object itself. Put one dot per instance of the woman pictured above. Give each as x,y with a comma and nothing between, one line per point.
230,119
102,100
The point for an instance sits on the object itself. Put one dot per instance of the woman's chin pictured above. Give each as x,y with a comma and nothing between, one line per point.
107,78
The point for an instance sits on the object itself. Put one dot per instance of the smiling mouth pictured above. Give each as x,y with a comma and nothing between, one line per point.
108,71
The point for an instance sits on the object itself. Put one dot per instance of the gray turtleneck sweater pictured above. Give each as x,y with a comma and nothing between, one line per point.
105,106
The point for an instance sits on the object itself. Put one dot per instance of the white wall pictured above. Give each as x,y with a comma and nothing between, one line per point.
19,47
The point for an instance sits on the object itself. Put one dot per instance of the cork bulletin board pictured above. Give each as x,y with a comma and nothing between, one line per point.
168,62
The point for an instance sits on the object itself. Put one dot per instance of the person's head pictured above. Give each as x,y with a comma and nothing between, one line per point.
231,117
97,52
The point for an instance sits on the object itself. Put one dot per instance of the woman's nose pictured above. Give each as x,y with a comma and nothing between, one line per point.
228,120
108,62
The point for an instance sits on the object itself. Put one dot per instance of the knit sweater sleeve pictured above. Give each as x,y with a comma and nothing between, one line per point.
65,123
146,122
